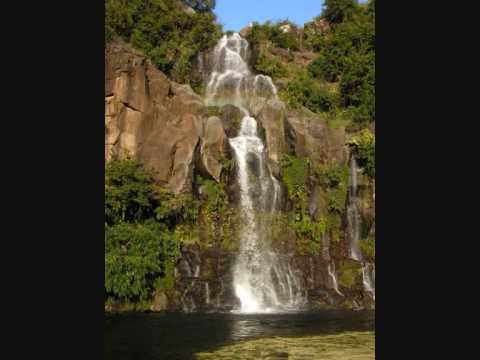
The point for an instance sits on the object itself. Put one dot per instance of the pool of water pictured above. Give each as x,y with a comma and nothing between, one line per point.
180,336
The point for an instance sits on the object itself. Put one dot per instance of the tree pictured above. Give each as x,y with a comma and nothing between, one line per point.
135,256
337,11
128,192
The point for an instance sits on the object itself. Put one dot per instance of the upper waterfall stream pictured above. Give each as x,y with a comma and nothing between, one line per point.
263,280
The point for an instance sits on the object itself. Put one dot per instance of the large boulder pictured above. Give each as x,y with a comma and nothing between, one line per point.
150,118
231,117
313,138
272,119
212,148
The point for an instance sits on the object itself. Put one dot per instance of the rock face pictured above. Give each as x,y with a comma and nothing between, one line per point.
165,126
272,119
312,138
160,302
212,147
150,118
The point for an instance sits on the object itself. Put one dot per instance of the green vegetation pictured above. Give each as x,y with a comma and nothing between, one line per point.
368,248
165,32
333,178
129,193
135,255
342,346
141,237
303,90
270,66
273,33
337,11
347,55
363,145
214,111
349,273
295,173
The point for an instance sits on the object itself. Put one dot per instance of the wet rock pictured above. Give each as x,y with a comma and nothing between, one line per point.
312,138
231,120
212,148
160,302
272,117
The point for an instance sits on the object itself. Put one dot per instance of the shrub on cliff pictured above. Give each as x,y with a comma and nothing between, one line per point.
270,67
363,146
305,91
272,32
128,192
135,256
336,11
347,56
165,32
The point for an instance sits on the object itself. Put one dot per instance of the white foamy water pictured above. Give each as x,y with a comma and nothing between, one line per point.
263,280
353,232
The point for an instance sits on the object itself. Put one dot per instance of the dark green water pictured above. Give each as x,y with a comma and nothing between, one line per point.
179,336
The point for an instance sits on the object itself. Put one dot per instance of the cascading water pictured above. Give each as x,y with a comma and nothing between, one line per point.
263,280
353,232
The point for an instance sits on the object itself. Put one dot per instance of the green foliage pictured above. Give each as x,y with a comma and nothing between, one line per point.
333,178
363,145
270,66
337,11
294,174
368,248
271,32
174,209
349,272
347,55
303,90
135,255
332,175
214,111
171,37
128,192
214,193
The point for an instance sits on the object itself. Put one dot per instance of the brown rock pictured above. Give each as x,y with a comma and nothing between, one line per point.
312,138
212,147
160,302
231,120
150,118
271,118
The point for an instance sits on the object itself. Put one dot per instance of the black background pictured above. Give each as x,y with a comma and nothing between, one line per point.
52,175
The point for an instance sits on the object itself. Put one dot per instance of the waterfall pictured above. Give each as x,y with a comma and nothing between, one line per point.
353,217
353,232
331,264
262,279
207,293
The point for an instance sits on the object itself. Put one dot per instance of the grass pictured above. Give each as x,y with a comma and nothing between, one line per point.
344,346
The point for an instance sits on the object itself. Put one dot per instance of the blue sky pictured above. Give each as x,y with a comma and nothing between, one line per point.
236,14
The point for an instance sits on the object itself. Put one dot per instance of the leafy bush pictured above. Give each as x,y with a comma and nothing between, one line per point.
333,175
174,209
171,37
128,192
347,55
270,67
272,32
368,248
135,256
294,173
304,90
337,11
363,146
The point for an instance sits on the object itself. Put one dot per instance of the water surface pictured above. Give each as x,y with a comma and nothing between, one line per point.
180,336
